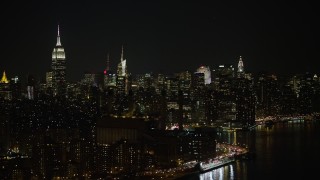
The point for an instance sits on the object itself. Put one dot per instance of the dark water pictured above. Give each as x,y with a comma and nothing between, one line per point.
283,151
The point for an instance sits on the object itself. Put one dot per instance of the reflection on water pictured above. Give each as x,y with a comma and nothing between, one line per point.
235,170
219,173
282,150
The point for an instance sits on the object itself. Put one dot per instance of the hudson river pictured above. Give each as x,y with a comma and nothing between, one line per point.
282,151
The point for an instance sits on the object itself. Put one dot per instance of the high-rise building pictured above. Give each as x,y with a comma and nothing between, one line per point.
268,95
221,105
240,71
49,79
207,74
244,98
31,87
122,76
109,78
198,97
5,91
15,87
4,78
122,66
222,73
58,68
185,89
245,102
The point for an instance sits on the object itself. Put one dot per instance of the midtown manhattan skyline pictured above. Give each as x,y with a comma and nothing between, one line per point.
159,37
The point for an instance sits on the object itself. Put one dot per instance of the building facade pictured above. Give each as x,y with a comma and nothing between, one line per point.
58,67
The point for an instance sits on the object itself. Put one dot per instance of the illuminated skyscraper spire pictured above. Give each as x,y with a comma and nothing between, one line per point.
240,65
121,54
122,75
240,71
122,66
58,67
58,38
4,78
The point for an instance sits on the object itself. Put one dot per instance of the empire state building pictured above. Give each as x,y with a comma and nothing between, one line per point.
58,67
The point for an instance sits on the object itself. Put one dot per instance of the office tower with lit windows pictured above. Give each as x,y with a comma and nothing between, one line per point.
198,97
268,95
15,87
240,71
222,73
172,95
185,90
306,92
207,74
49,79
221,105
244,98
109,77
58,68
245,102
31,87
118,140
122,76
160,83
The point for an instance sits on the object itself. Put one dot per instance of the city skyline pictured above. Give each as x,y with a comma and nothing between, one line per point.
159,37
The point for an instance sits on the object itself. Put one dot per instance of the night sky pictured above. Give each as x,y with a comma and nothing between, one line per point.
159,36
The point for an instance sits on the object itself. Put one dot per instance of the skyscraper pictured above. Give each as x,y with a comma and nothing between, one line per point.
122,76
4,78
58,68
207,74
5,91
240,71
